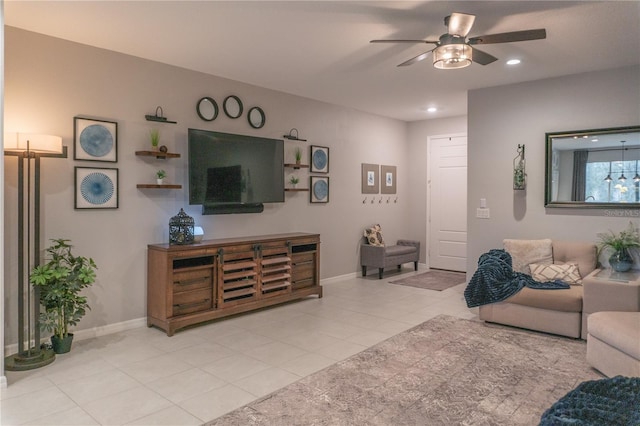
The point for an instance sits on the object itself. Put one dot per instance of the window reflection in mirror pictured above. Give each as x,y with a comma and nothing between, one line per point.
593,168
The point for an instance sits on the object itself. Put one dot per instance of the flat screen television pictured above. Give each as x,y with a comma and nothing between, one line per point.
231,173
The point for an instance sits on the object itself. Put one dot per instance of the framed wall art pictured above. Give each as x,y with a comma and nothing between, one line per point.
387,179
96,188
319,159
95,140
370,184
319,189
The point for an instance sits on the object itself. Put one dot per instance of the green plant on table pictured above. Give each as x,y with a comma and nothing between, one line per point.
294,180
298,154
161,174
60,282
626,239
155,138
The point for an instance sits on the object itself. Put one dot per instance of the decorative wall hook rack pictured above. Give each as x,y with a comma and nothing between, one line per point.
159,116
396,200
293,137
365,200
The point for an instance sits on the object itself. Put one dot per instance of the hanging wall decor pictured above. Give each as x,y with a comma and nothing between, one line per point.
96,188
370,181
95,140
387,179
519,174
319,189
319,159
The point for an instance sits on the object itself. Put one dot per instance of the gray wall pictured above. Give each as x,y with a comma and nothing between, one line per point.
500,118
49,81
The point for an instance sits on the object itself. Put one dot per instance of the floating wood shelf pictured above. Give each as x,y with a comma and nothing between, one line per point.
296,166
296,189
158,154
154,186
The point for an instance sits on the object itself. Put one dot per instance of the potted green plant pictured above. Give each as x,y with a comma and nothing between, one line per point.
620,243
293,180
160,175
155,138
60,282
298,154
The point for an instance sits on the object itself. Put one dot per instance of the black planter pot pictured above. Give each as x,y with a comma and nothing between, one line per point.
61,346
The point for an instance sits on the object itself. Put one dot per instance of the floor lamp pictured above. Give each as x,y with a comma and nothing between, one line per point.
29,148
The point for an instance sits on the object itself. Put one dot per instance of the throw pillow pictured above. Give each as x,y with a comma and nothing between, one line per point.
374,236
524,252
567,273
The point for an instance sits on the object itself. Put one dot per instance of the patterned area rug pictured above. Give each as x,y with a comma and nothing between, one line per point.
433,280
446,371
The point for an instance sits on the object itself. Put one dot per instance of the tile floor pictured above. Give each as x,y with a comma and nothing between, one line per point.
143,377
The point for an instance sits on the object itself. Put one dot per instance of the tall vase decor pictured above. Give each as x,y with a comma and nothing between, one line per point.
620,243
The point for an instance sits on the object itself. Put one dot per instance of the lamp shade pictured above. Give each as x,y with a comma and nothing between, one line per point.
451,56
20,142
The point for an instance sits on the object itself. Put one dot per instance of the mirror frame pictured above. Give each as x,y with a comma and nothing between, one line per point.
548,202
215,108
263,118
227,103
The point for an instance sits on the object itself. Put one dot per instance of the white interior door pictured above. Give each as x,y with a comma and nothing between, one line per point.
447,198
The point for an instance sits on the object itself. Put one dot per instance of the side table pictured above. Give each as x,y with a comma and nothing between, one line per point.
607,290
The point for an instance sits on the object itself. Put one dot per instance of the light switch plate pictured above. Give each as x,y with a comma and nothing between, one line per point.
482,213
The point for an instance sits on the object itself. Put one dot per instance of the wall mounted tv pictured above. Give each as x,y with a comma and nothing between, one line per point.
234,173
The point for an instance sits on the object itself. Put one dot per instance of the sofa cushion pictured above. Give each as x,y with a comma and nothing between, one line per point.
399,250
584,254
567,273
374,236
566,300
524,252
617,329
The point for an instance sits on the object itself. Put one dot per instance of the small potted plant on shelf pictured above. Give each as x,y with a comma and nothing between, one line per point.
293,180
298,155
155,139
620,243
60,282
160,175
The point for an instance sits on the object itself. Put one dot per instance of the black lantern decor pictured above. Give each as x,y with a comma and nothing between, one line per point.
181,229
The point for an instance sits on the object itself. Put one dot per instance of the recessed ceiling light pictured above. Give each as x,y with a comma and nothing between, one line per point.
432,109
513,61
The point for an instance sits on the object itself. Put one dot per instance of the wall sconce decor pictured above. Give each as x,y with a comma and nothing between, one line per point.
519,174
29,149
293,137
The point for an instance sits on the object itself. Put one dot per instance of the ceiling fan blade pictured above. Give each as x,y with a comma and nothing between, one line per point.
405,41
459,23
525,35
482,58
415,59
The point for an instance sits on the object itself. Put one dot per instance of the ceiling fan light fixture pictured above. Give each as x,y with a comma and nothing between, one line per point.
452,56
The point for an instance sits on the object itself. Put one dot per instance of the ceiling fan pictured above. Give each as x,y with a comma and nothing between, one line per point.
454,50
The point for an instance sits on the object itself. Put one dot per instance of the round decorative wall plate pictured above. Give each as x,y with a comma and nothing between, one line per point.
319,159
256,117
207,109
97,188
96,140
320,189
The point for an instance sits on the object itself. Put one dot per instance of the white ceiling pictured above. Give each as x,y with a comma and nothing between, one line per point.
321,50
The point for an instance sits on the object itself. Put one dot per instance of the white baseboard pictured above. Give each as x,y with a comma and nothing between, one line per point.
338,278
90,333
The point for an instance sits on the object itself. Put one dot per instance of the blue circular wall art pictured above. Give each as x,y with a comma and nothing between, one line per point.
97,188
96,140
319,159
321,189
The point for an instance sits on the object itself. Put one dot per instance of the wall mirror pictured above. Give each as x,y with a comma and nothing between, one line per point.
232,106
207,109
256,117
593,168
